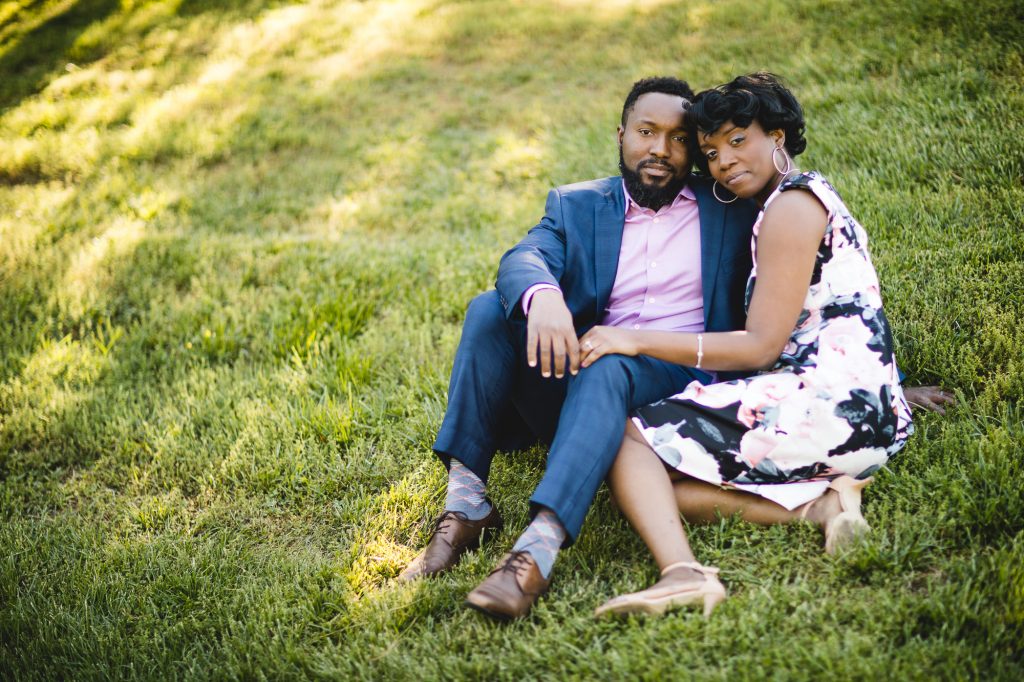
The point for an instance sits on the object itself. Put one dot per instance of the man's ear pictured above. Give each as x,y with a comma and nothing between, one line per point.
618,137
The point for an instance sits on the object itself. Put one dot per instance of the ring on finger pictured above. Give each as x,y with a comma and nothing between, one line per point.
588,346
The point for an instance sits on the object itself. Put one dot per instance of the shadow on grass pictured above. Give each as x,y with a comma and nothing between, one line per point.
32,58
191,8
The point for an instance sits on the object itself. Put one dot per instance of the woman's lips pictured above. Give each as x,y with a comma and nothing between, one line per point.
735,177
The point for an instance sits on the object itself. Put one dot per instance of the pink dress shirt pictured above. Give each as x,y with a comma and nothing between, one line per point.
657,284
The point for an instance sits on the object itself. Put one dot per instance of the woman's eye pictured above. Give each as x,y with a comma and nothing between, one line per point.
736,140
711,155
680,138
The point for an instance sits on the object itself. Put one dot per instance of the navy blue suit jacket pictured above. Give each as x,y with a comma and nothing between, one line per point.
576,245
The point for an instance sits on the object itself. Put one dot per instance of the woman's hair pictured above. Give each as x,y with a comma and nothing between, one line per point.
758,97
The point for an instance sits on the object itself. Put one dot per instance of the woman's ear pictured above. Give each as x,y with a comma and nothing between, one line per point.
778,136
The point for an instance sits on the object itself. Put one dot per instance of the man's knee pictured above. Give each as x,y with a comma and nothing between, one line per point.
612,372
485,315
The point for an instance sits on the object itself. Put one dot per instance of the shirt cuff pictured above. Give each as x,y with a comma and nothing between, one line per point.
528,296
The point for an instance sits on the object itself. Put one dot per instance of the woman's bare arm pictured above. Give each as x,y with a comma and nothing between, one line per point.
788,242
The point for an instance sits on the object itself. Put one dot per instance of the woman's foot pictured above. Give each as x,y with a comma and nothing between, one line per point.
837,513
681,584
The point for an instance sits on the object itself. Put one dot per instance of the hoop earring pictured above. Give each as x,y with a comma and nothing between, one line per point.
789,161
714,190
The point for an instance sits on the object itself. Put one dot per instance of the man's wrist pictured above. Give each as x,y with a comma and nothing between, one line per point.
528,296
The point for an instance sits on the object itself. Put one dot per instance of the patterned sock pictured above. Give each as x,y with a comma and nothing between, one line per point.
542,539
466,492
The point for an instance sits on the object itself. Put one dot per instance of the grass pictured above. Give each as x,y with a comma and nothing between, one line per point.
237,239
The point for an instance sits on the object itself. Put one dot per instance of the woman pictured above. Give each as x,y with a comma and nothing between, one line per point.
826,411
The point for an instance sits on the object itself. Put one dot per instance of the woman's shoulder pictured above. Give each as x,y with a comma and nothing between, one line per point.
807,212
817,184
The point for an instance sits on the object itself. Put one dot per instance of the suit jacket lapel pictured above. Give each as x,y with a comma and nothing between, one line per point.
712,232
609,218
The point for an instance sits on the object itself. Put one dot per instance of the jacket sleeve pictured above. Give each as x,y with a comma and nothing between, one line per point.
539,258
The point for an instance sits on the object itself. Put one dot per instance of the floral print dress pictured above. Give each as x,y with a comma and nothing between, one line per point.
831,405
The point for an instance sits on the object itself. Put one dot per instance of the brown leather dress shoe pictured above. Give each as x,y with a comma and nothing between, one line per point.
511,589
453,536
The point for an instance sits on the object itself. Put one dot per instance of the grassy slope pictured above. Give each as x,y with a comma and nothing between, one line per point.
236,243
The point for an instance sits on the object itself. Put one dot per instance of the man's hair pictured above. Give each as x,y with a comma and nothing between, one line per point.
758,97
663,84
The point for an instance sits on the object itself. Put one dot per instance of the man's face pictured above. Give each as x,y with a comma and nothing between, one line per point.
653,155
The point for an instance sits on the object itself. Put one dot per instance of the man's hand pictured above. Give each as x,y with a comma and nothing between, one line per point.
929,398
550,334
601,341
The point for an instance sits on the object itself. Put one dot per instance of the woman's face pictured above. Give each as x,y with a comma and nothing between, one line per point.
741,158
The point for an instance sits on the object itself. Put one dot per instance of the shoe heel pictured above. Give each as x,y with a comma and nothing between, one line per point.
844,531
711,600
849,523
488,534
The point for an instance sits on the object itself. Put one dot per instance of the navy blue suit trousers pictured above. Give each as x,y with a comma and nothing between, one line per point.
497,402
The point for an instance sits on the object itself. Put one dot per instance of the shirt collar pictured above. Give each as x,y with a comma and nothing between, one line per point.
685,193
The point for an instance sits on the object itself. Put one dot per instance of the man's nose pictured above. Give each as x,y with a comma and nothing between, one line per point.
659,147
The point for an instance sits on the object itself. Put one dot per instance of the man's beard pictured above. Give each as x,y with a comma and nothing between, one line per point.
645,195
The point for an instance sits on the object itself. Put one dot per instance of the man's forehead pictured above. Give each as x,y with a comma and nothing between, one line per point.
654,107
660,99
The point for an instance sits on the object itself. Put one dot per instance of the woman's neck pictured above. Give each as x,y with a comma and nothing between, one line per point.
763,195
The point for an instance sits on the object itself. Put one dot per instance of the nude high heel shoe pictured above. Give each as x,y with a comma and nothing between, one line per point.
668,592
846,526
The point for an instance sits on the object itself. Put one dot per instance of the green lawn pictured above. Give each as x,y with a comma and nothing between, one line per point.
237,239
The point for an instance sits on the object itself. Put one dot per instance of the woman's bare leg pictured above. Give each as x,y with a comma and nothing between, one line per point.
647,495
703,503
643,491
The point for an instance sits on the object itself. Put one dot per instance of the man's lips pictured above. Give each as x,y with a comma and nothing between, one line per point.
656,170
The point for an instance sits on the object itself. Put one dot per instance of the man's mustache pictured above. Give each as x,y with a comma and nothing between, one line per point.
655,162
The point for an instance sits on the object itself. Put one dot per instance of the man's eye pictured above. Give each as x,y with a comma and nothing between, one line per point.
645,131
680,138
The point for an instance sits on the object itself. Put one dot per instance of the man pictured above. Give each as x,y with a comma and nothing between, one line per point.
653,249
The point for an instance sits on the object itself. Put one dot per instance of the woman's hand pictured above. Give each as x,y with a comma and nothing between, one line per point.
601,341
931,398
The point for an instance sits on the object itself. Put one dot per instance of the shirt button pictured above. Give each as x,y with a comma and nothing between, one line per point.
654,264
636,326
650,300
657,220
